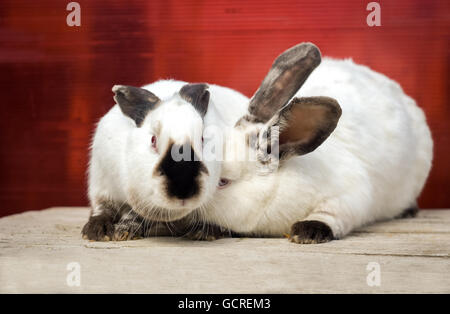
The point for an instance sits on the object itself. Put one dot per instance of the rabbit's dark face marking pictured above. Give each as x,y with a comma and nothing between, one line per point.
181,176
310,232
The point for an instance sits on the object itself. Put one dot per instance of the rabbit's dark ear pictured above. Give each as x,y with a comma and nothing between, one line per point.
134,102
299,128
288,73
198,95
306,123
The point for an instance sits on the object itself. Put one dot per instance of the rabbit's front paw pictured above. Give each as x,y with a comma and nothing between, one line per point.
99,228
128,230
310,232
207,233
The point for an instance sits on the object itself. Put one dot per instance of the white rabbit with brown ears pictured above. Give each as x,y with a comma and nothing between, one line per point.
358,154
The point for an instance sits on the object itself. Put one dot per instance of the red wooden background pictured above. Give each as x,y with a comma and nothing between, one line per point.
56,80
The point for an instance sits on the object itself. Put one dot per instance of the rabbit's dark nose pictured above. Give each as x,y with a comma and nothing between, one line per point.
181,167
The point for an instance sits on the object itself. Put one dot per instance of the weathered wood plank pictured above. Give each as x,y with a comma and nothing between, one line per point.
35,248
427,221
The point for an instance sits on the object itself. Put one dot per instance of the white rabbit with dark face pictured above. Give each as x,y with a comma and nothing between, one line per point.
362,155
134,162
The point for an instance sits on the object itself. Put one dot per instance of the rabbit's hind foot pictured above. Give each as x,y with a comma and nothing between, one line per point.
310,232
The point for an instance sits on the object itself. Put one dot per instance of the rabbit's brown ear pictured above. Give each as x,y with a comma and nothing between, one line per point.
134,102
306,123
288,73
299,128
197,94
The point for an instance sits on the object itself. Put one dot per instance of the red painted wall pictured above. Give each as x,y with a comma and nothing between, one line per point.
56,80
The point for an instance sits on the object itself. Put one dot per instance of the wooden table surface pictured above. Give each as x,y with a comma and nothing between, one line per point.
36,249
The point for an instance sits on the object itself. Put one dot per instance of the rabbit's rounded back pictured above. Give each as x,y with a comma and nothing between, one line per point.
383,128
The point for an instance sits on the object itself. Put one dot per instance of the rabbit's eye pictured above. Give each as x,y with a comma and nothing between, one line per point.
223,182
154,142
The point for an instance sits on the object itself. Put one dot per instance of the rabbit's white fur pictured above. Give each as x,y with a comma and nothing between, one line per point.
373,166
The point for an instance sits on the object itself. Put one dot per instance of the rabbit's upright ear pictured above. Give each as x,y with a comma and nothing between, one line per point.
198,95
288,73
305,123
134,102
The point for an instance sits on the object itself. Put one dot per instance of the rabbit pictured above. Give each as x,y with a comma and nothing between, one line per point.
361,156
324,165
132,177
